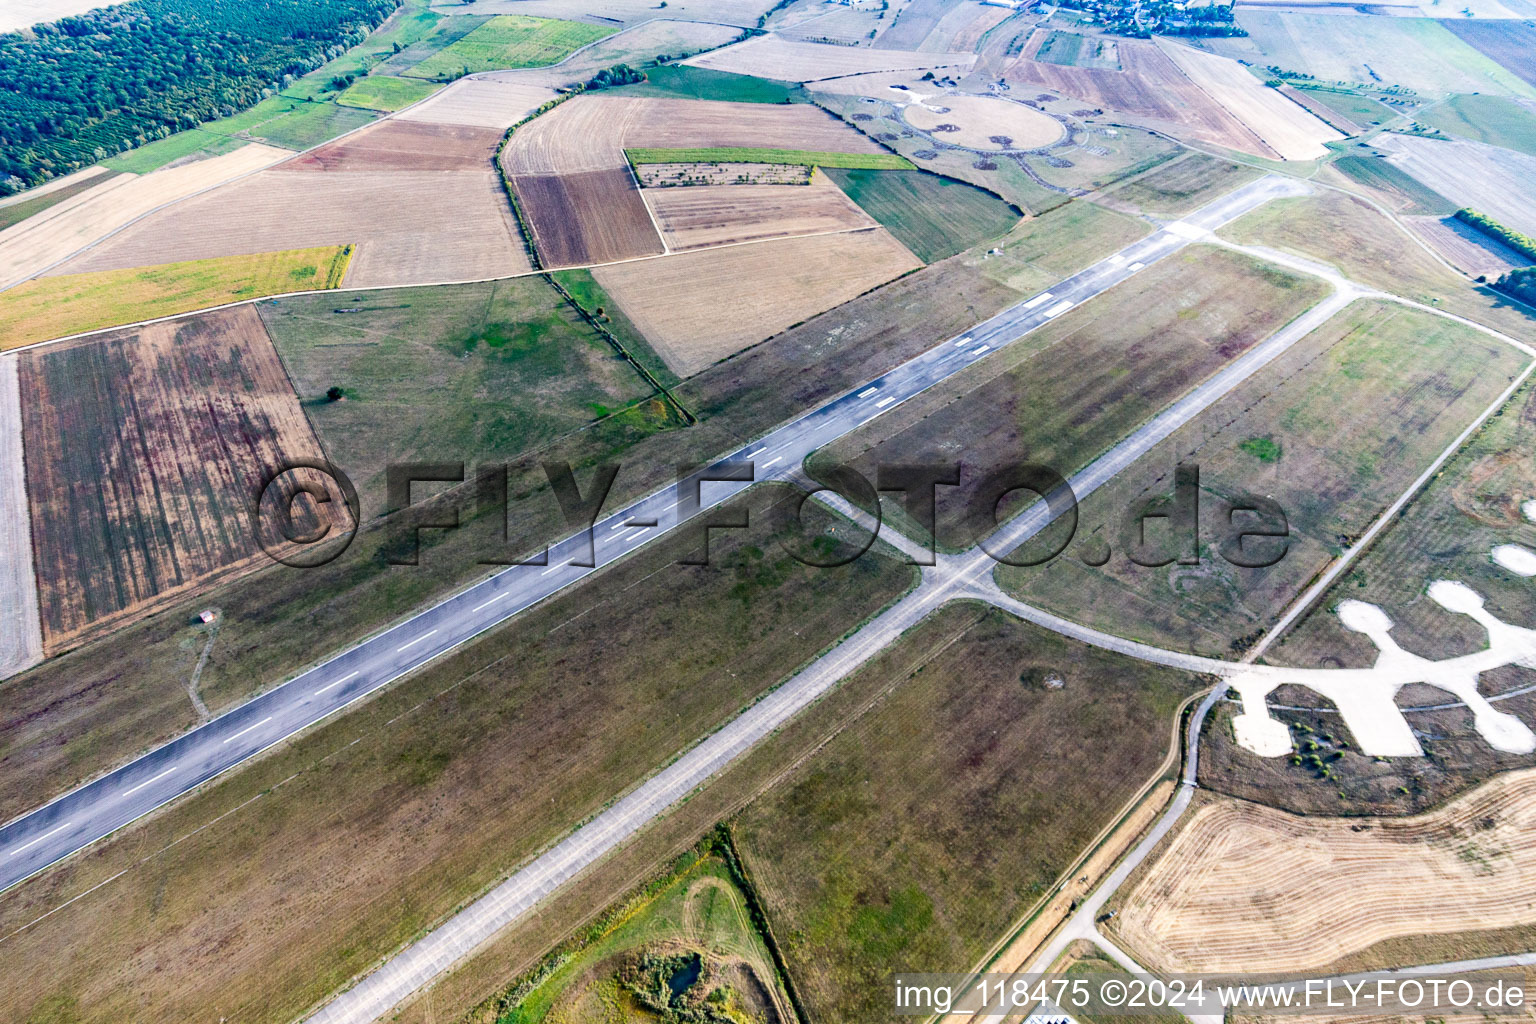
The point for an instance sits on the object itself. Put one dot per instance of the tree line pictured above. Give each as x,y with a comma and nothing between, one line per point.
83,88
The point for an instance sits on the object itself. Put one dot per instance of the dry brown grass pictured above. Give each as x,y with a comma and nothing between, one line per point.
697,308
410,227
51,236
1149,89
481,103
981,120
704,215
144,450
1247,888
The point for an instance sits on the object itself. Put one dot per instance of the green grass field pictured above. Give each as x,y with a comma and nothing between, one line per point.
154,155
1491,119
1376,172
385,92
1057,244
463,373
696,907
1077,51
934,216
591,296
682,81
1362,110
920,833
410,25
53,307
510,41
1412,382
753,155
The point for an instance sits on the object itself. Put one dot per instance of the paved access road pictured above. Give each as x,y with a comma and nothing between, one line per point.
37,839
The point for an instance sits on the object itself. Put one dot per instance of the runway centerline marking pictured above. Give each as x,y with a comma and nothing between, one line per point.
333,686
146,782
40,838
413,643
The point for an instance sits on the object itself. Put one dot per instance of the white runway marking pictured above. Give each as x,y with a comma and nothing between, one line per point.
337,683
1136,266
962,341
40,838
553,568
772,461
1058,309
1038,299
413,643
248,728
753,455
480,607
884,402
979,349
157,778
867,392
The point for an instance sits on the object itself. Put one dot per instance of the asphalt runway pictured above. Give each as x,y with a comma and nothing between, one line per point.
35,840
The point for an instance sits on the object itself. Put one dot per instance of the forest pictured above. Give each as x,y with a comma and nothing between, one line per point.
83,88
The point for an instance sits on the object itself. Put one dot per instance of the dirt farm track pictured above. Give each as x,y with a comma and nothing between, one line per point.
1242,887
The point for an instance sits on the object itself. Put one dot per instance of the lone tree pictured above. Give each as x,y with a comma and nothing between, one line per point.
333,394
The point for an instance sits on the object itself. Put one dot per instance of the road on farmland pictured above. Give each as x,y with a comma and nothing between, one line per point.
41,837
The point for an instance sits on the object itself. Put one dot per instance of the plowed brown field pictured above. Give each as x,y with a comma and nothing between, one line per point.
1243,887
586,218
145,449
701,215
699,307
1150,88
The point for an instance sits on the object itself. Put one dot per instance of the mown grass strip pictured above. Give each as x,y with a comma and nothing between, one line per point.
750,155
55,307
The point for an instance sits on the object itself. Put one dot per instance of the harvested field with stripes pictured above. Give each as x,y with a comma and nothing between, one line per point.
1150,90
704,215
791,61
37,243
1241,887
700,307
481,103
1285,127
145,448
979,122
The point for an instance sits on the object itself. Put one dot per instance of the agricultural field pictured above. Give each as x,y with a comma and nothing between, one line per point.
696,216
1466,248
1350,112
429,812
1490,180
700,307
934,216
1414,382
290,123
21,631
763,155
1395,187
467,373
22,14
419,202
56,307
477,102
1150,89
1367,247
383,92
1182,185
144,449
53,235
1241,887
984,122
588,217
509,41
1512,44
1285,127
771,56
413,24
1421,54
694,916
186,146
1066,392
932,823
691,175
1072,50
686,82
1492,120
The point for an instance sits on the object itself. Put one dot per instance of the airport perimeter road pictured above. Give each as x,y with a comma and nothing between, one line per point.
39,838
